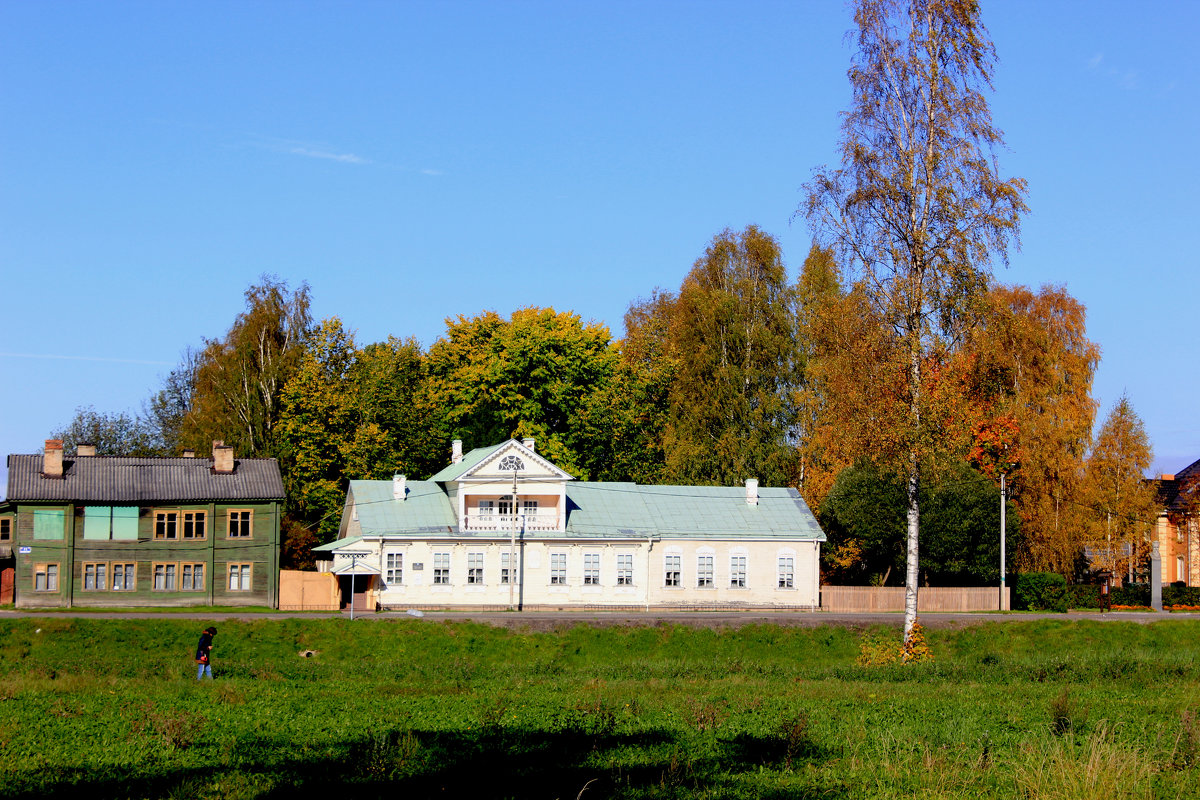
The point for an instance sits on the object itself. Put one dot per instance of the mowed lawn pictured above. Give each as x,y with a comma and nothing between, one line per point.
413,709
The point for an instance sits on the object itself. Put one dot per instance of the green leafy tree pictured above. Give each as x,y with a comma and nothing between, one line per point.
863,517
112,434
917,207
168,408
532,375
736,366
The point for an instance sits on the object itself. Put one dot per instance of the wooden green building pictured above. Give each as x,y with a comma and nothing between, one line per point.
103,531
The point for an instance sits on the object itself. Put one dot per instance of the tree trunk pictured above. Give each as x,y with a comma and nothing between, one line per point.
912,564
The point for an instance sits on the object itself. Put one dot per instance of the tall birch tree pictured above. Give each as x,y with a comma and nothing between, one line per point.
918,208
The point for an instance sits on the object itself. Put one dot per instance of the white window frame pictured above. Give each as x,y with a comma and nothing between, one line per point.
737,570
504,554
673,570
624,569
705,571
786,572
558,569
394,568
441,569
475,568
591,569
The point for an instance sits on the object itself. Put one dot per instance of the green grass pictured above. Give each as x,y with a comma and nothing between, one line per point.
412,709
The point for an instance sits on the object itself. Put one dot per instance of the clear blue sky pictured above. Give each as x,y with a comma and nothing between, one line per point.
417,160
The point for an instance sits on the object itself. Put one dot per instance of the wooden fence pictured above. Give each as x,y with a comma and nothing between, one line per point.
930,599
308,591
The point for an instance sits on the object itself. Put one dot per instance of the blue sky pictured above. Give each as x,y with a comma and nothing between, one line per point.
415,161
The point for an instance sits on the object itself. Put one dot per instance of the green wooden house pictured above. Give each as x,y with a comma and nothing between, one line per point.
103,531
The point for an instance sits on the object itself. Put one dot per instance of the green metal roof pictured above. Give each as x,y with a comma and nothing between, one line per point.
600,510
471,459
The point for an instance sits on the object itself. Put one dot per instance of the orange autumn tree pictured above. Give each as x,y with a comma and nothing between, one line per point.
1028,368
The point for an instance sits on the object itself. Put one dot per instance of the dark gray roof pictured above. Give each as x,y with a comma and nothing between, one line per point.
126,479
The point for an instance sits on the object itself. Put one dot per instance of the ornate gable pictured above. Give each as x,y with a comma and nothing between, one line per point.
512,456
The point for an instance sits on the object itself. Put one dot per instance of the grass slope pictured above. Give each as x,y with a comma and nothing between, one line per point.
1042,709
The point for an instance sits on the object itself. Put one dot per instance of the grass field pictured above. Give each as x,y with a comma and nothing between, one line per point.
411,709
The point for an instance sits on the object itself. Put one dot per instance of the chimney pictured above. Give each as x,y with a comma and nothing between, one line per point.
752,491
189,453
398,487
222,458
1167,477
85,450
456,451
52,462
528,445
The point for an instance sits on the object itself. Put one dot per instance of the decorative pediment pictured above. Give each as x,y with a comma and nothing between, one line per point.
510,457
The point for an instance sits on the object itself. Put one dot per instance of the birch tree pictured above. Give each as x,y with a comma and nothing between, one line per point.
917,208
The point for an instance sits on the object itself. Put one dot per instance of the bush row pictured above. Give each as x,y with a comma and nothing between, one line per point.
1049,591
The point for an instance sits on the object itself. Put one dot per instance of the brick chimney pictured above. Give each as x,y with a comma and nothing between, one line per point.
52,462
1167,477
398,487
528,445
752,491
456,451
222,458
85,450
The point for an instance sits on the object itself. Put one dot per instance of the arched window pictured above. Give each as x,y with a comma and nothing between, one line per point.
510,463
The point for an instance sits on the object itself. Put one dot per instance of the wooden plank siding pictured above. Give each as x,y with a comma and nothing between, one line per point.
216,551
930,599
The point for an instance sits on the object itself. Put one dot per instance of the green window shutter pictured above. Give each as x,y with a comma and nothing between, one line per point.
97,522
125,522
48,523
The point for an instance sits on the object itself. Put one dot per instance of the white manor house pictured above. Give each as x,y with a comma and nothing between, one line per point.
501,527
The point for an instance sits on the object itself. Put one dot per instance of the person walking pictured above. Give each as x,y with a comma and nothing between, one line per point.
204,653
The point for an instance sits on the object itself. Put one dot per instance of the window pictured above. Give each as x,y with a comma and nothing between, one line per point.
394,572
441,568
591,569
123,577
558,569
487,508
504,567
474,567
165,577
509,463
704,572
530,507
110,522
45,577
95,577
193,577
240,524
787,572
48,523
1180,569
737,572
166,525
624,569
193,524
5,529
672,568
239,577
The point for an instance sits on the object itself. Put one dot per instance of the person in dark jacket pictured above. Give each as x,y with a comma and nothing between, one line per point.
204,653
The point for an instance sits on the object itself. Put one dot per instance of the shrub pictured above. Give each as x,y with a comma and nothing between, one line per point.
1041,591
1131,594
1082,595
915,646
1181,595
879,650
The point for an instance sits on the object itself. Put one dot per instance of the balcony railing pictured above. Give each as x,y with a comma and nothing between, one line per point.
540,520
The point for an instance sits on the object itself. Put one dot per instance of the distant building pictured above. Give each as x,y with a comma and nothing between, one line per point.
95,531
1177,528
501,526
